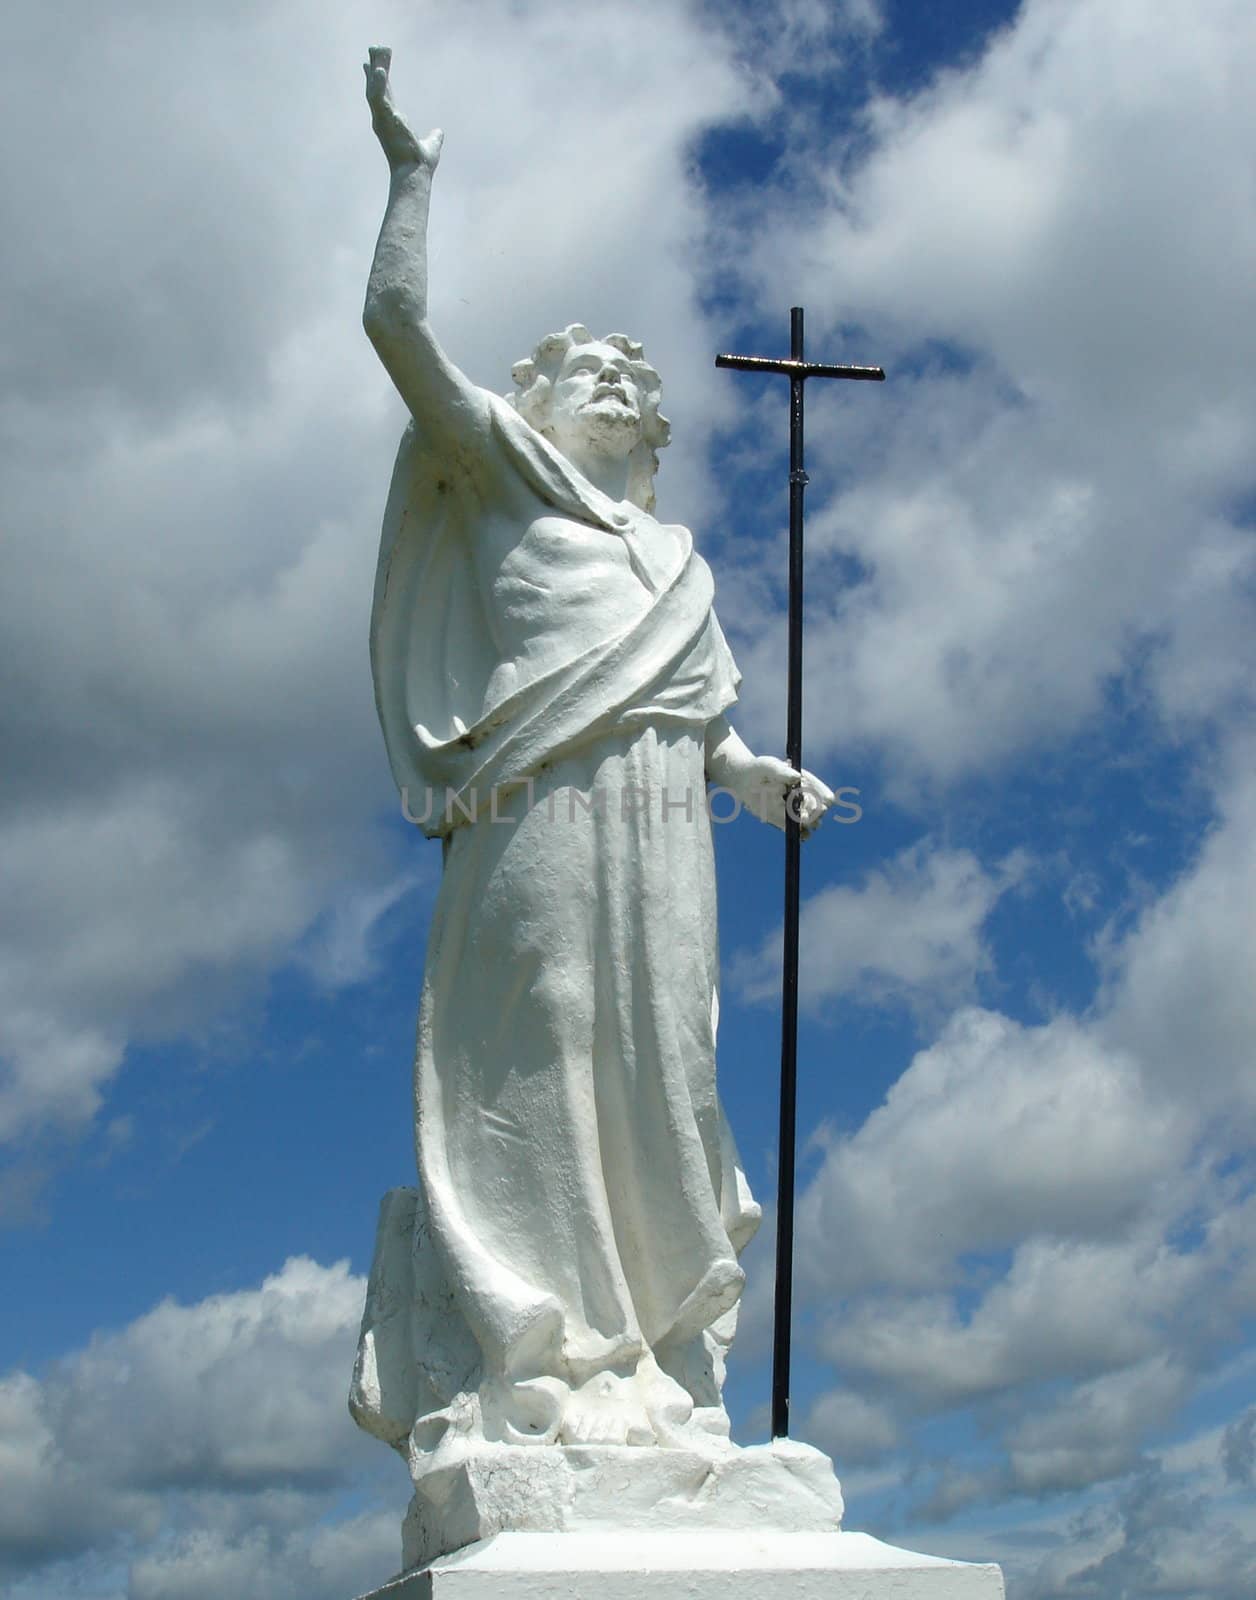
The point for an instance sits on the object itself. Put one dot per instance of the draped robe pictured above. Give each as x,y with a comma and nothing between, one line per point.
544,688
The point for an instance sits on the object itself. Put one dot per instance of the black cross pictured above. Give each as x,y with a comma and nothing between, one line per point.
798,371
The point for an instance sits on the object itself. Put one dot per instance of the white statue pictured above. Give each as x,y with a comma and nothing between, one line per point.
553,685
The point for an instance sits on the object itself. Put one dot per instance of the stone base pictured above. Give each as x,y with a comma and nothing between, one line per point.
493,1489
650,1565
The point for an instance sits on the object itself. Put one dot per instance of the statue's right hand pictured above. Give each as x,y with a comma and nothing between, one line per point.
400,145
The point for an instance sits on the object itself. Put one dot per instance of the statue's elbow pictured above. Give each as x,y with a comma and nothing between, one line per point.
390,316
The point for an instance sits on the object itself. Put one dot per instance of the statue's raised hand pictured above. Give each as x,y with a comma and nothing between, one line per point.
400,145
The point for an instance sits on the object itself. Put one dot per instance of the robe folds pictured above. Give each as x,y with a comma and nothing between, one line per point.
544,702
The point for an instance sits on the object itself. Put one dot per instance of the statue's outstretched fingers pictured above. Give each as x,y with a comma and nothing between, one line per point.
376,70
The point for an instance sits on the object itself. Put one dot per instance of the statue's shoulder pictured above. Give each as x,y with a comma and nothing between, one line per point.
480,448
503,461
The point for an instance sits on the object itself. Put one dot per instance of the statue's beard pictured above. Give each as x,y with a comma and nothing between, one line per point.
607,426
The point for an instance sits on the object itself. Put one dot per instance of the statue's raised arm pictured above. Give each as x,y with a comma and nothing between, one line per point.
395,314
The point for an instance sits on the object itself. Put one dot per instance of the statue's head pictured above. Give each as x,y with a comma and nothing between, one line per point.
596,395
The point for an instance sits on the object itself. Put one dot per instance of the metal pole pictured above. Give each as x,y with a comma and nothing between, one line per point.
783,1306
797,369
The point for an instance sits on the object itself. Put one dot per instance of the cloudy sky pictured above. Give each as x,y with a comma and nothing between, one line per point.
1026,1274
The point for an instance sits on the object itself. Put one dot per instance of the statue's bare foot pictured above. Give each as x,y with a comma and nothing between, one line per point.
668,1404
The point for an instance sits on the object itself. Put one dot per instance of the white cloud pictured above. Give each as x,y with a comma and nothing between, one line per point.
1054,1219
910,932
48,1506
1181,992
196,441
1051,250
994,1133
1096,1432
212,1435
1160,1535
803,38
239,1389
1073,215
325,1563
1061,1311
1049,203
119,911
850,1427
1238,1448
1053,1222
343,946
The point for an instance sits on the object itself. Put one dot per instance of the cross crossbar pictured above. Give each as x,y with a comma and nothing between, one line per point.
797,370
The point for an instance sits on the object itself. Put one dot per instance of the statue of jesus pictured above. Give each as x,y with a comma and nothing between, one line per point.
553,687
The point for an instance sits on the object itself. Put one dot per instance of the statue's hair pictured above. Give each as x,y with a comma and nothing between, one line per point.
534,383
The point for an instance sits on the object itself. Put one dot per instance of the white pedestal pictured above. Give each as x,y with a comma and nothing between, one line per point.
485,1489
695,1565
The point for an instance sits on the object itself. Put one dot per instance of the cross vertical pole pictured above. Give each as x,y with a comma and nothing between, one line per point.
782,1309
798,370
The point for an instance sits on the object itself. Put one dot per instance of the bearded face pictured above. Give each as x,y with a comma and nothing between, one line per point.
595,403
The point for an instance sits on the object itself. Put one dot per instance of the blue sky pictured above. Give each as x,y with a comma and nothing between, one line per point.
1026,1286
